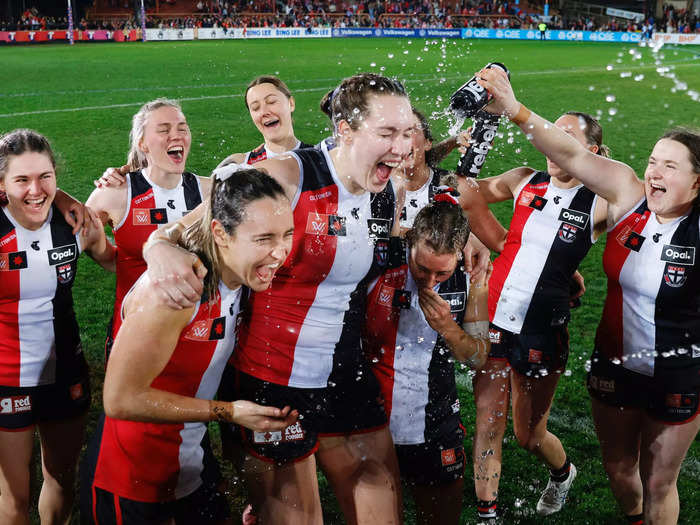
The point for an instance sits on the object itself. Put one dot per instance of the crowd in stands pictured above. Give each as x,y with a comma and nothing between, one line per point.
358,13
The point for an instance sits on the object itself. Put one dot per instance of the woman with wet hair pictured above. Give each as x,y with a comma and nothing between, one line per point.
422,315
44,379
157,190
645,373
555,222
300,343
149,460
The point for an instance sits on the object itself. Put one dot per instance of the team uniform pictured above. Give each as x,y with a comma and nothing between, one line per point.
299,344
149,207
418,199
260,153
415,370
43,372
138,472
550,233
647,352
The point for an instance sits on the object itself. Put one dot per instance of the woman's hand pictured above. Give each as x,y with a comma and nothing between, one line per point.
176,274
112,177
262,418
496,82
436,310
477,258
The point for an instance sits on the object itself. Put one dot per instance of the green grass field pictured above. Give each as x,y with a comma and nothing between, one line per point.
83,97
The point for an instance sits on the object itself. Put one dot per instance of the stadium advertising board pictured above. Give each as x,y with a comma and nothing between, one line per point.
169,34
370,32
554,34
29,37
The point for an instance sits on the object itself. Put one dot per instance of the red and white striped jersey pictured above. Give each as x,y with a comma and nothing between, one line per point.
260,153
310,319
155,462
550,233
37,321
653,301
420,198
149,207
412,363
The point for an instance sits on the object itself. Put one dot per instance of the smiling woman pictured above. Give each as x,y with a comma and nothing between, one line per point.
157,190
300,342
43,373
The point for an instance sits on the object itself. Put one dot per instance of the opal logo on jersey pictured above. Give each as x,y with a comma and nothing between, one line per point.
15,404
678,254
378,229
574,217
456,300
63,254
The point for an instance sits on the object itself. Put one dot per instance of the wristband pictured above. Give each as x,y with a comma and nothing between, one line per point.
220,411
521,116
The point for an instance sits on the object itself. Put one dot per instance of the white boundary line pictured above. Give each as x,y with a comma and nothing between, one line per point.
408,80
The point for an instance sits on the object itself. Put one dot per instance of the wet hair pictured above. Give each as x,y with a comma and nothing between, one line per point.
442,226
427,134
325,104
227,204
137,158
16,143
267,79
691,140
592,131
350,100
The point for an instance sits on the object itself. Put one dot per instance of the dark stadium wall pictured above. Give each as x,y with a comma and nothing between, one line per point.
14,8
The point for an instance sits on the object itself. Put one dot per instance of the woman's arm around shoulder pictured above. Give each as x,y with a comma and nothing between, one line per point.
96,244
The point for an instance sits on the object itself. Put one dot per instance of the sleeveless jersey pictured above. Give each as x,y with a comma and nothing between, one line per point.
261,153
653,301
149,207
413,365
310,319
550,234
38,330
420,198
155,462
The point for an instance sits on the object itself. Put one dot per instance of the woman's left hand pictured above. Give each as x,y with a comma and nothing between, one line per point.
262,418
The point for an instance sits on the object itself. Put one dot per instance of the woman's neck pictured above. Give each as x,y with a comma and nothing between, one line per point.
343,164
416,177
282,145
162,178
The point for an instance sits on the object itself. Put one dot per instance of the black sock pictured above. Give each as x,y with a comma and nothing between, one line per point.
486,509
635,519
561,474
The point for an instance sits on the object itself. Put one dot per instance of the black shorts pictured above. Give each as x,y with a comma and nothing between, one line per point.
671,396
22,407
533,354
205,505
349,406
436,462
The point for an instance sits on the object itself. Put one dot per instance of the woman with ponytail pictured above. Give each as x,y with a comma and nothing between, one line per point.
149,461
157,190
422,315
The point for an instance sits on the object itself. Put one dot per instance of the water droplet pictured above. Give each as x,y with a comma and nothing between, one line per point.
612,111
591,88
391,55
610,98
373,64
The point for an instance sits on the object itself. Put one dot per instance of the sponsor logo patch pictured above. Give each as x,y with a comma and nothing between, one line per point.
293,432
456,300
207,330
378,229
634,241
675,276
15,404
525,198
534,356
381,252
13,261
324,224
448,457
678,254
63,254
538,203
567,232
159,216
494,335
455,407
602,385
76,391
141,217
402,299
386,296
574,217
